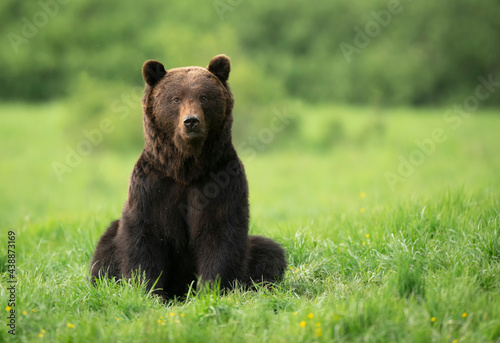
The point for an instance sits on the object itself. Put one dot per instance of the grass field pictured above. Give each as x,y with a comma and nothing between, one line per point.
390,219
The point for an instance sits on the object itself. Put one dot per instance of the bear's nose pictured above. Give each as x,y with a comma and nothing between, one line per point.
191,122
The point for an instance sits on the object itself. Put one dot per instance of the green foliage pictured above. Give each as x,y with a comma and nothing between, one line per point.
421,52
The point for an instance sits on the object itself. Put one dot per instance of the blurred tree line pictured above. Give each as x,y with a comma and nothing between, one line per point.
376,52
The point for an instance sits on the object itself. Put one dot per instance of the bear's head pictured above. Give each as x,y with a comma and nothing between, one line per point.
187,111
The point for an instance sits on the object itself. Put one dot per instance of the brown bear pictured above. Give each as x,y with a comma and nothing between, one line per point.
186,216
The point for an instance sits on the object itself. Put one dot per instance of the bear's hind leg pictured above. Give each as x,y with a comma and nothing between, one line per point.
266,260
104,261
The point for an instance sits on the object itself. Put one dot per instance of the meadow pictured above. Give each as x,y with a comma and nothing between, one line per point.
390,219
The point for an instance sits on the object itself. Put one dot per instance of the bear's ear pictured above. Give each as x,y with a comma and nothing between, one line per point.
152,72
220,66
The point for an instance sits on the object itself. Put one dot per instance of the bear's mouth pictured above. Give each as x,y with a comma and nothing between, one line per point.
190,143
193,135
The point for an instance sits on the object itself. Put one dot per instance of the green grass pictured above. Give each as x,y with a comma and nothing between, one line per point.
402,263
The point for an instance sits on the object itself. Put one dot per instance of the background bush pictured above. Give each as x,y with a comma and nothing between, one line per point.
430,52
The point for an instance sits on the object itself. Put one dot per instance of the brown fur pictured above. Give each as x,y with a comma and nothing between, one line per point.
187,213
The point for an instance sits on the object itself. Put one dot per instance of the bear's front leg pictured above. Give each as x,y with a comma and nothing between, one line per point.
141,253
218,223
221,253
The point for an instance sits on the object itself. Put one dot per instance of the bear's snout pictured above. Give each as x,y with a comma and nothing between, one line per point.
192,127
191,123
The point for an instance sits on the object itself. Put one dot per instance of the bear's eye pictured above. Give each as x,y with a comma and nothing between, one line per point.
203,98
176,100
